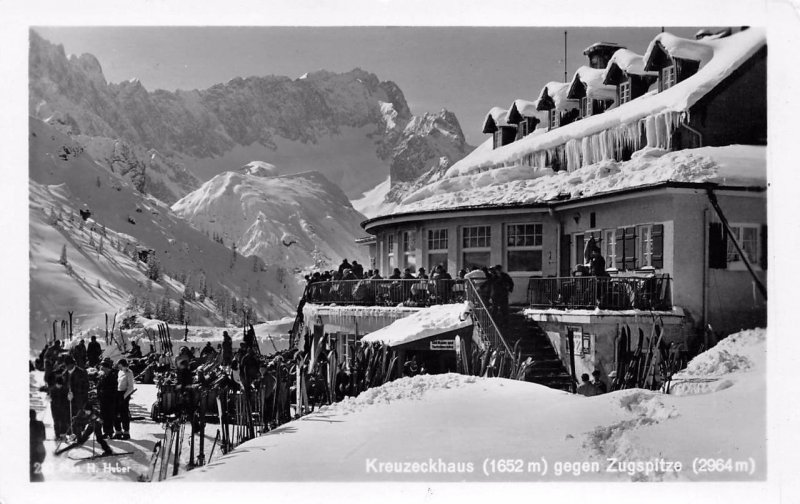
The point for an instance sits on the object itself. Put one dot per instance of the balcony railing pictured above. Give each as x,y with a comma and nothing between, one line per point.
370,292
652,292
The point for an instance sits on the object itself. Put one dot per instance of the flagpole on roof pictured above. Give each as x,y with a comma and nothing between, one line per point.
565,55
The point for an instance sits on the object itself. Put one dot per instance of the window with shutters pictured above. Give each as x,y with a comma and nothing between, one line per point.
610,247
553,116
748,237
524,247
476,245
644,247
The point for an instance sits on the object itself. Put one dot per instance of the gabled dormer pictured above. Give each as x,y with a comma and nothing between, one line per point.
625,71
675,59
588,90
600,53
496,124
524,115
560,109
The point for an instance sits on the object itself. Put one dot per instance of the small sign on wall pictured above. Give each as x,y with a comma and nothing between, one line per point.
586,344
442,344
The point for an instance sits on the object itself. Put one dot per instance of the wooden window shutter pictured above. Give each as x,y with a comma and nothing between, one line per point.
763,252
630,248
657,260
717,246
620,240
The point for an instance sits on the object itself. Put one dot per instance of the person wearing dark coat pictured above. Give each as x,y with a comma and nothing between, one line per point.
86,422
207,351
38,452
250,337
358,269
249,367
597,265
59,407
395,274
227,349
501,286
376,275
93,352
407,275
79,354
345,265
77,382
135,352
107,396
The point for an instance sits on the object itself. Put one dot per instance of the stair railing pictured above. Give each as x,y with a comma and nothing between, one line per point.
483,318
297,326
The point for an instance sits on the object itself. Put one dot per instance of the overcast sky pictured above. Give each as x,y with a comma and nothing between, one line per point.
467,70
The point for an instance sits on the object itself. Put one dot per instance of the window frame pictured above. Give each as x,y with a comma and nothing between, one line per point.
538,230
485,248
390,254
644,252
736,263
669,74
625,91
610,237
554,119
408,245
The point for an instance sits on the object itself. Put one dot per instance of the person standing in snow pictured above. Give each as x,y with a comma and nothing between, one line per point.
79,354
77,382
37,453
586,388
125,387
227,349
59,407
107,396
93,352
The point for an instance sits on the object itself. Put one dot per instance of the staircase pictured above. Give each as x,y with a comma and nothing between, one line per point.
547,368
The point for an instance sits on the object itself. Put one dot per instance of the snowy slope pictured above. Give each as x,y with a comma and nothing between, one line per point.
64,178
296,221
373,202
463,420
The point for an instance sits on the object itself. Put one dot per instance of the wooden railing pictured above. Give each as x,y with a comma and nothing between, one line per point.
653,292
369,292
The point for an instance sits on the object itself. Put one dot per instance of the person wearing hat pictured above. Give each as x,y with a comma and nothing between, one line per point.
107,395
77,382
125,388
501,287
93,352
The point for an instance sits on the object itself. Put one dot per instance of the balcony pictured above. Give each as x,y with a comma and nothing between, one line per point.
368,292
653,292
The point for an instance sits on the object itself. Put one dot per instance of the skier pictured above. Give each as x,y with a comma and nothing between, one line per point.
59,407
598,383
87,423
122,424
227,349
38,452
586,388
77,383
93,352
107,395
79,353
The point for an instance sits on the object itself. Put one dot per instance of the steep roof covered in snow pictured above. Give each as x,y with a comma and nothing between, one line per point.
626,61
497,117
677,47
592,79
554,95
728,54
524,108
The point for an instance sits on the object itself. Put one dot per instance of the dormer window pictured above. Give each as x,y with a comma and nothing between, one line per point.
668,77
625,92
554,117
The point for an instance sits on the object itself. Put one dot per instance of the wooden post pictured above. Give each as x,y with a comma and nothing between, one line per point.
571,347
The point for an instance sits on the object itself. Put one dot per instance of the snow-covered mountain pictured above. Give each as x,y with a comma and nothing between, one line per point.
298,220
100,275
351,127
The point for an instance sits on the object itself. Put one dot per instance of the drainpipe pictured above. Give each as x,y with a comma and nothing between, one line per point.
696,132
